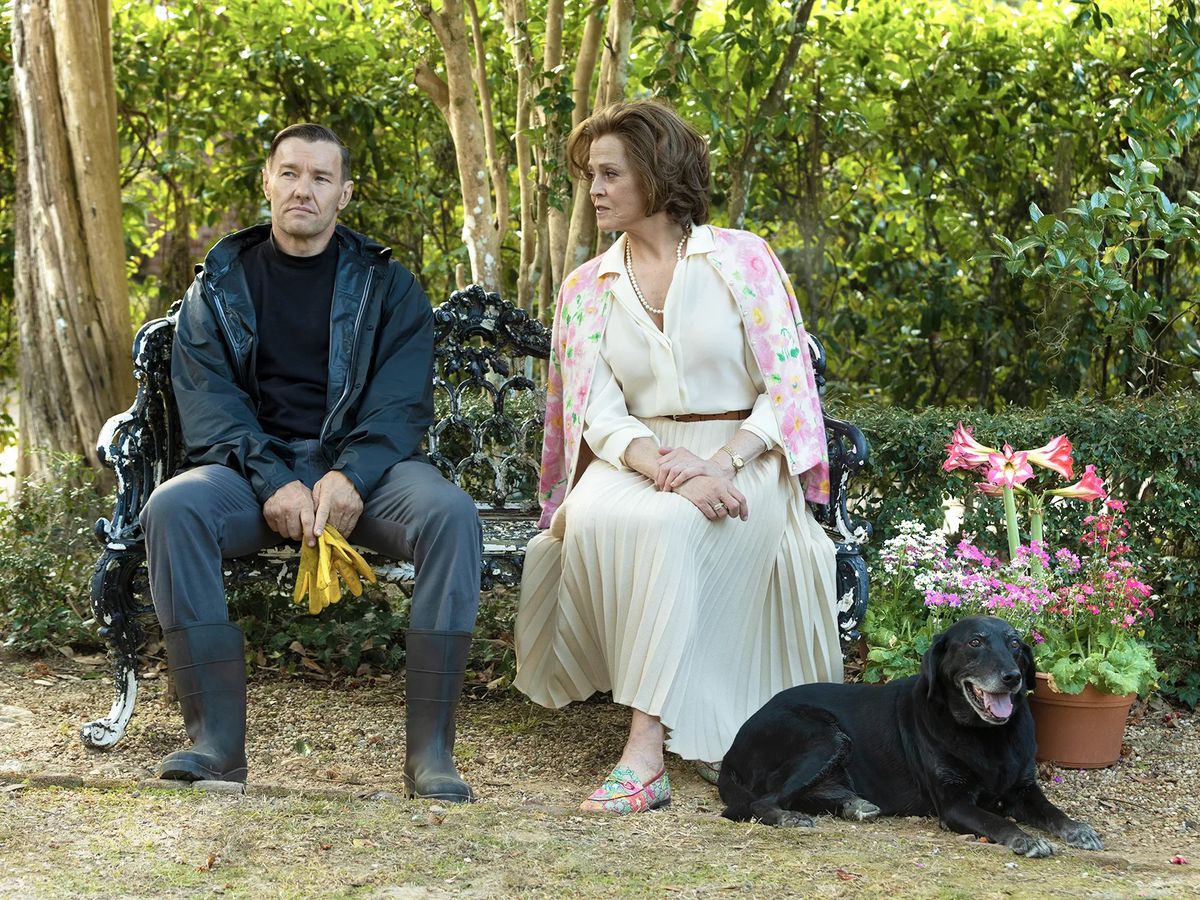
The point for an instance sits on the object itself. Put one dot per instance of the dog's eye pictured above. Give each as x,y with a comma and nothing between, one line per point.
1014,643
975,642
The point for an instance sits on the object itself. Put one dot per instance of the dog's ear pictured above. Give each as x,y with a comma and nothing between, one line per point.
1028,666
931,664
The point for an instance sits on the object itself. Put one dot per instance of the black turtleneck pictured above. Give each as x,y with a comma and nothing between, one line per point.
292,298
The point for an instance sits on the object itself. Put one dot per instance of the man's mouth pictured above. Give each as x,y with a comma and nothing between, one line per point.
992,708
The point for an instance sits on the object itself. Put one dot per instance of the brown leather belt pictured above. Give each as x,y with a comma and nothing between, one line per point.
712,417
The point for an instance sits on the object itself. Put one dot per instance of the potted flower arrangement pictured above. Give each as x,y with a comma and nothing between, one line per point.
1083,606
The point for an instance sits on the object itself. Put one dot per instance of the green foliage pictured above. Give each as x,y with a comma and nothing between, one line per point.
1147,451
47,552
354,636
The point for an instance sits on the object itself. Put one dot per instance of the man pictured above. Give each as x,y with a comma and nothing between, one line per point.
302,370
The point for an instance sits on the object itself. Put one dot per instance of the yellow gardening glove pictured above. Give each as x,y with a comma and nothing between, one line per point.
322,566
346,562
306,577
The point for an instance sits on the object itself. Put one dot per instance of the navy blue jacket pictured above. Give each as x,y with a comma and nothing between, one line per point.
379,400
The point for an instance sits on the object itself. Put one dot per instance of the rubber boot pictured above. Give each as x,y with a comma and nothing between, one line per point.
208,665
436,667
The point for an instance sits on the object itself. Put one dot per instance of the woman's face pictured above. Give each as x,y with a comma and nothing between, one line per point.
615,191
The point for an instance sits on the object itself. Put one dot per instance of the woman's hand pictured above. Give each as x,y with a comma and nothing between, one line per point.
677,465
716,498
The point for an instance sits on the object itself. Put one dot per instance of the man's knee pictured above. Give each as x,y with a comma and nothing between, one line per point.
174,502
453,510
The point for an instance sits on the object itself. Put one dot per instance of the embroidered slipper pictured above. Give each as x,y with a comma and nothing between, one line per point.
623,793
709,771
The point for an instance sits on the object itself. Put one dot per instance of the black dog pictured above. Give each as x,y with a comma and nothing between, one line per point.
955,741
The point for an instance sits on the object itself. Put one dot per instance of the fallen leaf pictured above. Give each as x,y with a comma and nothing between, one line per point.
1179,861
208,865
846,876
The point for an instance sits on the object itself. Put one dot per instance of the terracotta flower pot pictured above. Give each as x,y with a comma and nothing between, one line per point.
1078,731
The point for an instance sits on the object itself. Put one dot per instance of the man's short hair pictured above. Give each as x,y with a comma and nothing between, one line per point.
668,156
312,133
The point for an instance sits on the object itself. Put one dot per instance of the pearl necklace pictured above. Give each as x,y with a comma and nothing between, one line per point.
637,291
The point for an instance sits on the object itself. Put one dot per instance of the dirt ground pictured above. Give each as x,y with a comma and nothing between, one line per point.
324,814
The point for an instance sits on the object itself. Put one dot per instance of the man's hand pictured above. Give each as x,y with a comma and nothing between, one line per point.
337,502
290,512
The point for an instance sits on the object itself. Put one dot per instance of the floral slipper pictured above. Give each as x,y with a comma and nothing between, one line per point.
623,793
709,771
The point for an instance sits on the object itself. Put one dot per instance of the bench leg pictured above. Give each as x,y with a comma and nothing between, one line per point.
114,588
852,593
101,734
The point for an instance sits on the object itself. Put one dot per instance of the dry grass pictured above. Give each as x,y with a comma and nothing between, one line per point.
524,838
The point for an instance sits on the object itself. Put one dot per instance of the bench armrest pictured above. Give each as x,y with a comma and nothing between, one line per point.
142,445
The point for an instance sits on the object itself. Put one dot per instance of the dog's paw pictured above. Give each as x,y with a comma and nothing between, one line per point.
859,810
1082,836
789,818
1034,848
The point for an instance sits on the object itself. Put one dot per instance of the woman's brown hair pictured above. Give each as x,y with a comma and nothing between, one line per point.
668,156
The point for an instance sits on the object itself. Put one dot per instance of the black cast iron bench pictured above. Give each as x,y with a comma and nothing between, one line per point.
487,438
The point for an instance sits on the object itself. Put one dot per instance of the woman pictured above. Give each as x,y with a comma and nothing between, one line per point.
681,568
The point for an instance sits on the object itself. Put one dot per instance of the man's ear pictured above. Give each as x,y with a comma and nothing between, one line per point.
347,193
931,664
265,177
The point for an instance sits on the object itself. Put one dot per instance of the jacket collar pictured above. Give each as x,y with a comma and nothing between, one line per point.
227,250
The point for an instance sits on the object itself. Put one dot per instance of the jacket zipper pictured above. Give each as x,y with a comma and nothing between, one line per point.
226,328
350,371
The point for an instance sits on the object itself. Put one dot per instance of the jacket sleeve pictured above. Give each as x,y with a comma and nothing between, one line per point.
396,408
217,416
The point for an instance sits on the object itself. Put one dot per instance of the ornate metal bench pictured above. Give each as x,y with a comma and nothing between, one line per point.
486,438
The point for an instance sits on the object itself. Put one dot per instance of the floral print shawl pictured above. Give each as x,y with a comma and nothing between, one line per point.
771,317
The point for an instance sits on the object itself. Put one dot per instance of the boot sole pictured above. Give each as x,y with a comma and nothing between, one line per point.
187,770
411,791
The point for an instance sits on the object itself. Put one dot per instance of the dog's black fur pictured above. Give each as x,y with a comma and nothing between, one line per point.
955,741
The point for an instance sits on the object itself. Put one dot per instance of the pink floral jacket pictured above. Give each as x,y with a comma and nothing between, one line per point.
777,337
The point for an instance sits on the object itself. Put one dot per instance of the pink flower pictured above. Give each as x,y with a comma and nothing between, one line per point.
964,452
1055,455
1089,487
1009,467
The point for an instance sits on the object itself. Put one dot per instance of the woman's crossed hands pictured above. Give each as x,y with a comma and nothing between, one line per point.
704,482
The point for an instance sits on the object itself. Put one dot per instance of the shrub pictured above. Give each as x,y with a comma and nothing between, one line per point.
47,551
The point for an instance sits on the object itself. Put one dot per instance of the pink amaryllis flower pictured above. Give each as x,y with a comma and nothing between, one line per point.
1056,455
1089,487
964,452
1009,467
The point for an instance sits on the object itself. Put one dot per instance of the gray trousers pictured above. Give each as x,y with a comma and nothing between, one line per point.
201,515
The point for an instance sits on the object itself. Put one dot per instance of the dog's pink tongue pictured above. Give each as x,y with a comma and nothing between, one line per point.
999,705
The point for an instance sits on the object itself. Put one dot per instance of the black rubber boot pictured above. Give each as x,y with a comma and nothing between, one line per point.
208,665
436,667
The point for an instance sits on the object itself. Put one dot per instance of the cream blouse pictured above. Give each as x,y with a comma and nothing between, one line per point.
701,362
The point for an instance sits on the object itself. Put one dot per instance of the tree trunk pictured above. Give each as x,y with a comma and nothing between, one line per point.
554,181
581,233
71,295
515,17
744,165
455,97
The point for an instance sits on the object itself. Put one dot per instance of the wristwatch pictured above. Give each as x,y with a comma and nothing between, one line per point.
738,461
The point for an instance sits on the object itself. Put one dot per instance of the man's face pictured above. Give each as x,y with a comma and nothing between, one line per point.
303,183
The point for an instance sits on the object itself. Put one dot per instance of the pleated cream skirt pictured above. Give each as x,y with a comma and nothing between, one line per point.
634,591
